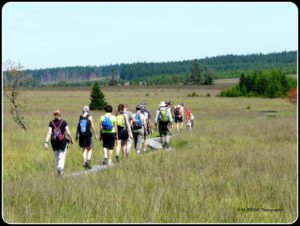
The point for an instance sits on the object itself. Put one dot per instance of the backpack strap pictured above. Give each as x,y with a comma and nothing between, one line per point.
60,123
53,124
55,127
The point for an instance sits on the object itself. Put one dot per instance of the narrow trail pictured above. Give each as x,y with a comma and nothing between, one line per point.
154,143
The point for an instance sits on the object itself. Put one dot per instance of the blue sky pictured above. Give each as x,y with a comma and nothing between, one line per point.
53,34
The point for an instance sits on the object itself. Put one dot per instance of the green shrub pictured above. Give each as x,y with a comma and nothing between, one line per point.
193,94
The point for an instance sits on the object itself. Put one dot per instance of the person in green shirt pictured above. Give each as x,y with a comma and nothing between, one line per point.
108,133
124,132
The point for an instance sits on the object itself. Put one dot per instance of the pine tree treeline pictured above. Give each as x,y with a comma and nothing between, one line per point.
263,84
97,98
196,77
227,66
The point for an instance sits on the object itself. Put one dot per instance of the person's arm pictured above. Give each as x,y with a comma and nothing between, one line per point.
182,112
128,126
150,126
170,116
149,122
77,133
100,138
48,137
92,126
69,134
156,119
144,122
116,128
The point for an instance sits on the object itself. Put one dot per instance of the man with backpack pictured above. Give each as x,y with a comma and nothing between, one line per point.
138,128
59,142
162,118
84,133
108,133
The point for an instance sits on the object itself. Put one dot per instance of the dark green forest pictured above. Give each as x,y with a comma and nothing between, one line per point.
262,84
179,72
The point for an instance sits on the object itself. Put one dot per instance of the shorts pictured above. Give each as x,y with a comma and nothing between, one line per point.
163,129
178,119
85,141
122,134
108,140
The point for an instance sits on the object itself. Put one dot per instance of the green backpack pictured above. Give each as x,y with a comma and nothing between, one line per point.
164,115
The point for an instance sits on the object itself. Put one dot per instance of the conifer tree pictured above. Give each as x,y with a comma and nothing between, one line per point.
97,98
195,75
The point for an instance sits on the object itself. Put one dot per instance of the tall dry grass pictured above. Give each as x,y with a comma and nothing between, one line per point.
237,166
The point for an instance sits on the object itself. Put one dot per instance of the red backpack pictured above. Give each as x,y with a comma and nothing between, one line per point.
56,133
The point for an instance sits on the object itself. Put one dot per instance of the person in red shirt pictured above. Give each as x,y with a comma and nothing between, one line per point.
189,118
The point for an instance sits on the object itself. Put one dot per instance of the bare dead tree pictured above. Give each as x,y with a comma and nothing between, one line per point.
12,75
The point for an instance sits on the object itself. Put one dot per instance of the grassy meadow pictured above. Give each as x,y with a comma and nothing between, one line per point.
237,166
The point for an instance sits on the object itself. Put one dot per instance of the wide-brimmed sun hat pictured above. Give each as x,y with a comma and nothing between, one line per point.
162,104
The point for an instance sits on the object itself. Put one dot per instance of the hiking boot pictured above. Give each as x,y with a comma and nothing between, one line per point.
88,166
110,163
167,146
105,162
85,164
60,173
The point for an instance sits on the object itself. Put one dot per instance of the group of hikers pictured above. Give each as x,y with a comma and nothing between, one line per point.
123,129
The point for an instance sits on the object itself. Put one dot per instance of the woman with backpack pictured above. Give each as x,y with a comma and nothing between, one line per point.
178,116
138,128
59,142
85,134
108,133
124,132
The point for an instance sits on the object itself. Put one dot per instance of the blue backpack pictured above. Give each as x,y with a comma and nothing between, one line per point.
107,124
138,121
84,125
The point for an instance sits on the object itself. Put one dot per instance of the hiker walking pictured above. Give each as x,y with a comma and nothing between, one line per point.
189,118
178,116
170,109
124,132
59,142
108,133
130,139
162,118
148,129
85,134
138,128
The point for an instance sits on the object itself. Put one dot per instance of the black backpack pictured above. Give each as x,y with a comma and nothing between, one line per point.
84,126
177,112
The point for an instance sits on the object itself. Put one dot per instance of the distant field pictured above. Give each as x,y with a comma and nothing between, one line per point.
237,166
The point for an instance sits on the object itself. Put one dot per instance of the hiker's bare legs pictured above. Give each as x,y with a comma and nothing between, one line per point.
124,147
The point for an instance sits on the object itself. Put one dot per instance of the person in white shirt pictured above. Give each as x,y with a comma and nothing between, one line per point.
162,119
138,128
